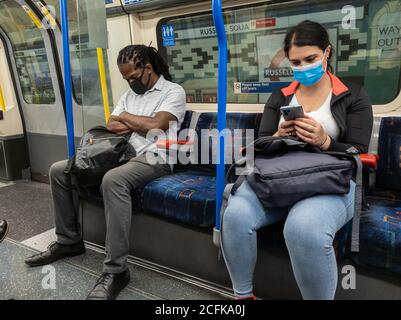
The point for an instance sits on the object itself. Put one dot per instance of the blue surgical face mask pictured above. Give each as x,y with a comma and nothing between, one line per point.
311,74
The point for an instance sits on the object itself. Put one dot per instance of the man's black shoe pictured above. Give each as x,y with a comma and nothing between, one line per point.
109,285
54,252
3,229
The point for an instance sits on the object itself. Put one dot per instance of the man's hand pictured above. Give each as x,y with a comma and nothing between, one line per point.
143,124
115,118
117,126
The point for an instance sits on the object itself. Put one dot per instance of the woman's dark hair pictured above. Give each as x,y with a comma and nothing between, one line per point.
140,55
308,33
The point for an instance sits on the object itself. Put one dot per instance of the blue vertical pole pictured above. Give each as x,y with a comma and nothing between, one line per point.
222,101
67,78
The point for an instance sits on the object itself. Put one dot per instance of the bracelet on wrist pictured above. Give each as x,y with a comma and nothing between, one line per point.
325,140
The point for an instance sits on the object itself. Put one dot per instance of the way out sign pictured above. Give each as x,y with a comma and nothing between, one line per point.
168,35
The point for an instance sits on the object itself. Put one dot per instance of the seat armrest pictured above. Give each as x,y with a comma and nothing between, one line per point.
172,144
369,160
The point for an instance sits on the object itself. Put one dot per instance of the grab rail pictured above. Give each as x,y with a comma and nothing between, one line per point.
221,113
67,78
103,84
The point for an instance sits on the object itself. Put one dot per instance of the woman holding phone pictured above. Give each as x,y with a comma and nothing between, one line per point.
337,116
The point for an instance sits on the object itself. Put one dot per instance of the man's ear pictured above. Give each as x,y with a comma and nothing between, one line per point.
149,67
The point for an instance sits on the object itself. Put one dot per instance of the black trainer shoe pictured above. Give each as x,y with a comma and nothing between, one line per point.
109,285
3,229
54,252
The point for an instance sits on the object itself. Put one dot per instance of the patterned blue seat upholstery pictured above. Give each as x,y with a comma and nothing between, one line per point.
380,234
389,168
189,196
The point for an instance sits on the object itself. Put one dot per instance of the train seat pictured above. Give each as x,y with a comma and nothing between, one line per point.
389,168
189,195
380,234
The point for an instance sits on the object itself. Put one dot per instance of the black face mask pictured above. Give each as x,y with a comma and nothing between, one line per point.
138,87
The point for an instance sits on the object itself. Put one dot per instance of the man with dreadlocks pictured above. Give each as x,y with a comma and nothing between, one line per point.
153,102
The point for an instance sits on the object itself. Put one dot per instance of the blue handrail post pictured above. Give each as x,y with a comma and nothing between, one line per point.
221,114
67,78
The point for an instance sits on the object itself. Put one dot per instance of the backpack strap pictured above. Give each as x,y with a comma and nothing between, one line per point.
357,206
224,204
237,184
70,163
230,189
262,143
226,196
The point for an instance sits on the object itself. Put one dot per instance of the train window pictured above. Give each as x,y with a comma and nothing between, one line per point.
366,36
29,52
84,61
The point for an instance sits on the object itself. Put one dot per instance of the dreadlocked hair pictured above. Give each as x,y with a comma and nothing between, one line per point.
140,55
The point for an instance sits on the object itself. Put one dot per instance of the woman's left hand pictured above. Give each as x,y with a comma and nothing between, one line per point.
312,132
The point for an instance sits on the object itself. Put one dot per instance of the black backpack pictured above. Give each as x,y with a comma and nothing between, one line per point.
99,151
287,170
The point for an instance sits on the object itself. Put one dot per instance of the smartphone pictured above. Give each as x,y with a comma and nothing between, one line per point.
292,112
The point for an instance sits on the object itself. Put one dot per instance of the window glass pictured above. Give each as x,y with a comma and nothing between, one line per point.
84,61
366,37
29,51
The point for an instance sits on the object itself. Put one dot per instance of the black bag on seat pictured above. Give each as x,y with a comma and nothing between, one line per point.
287,170
99,151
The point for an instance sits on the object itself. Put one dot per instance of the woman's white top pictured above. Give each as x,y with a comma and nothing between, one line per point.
322,115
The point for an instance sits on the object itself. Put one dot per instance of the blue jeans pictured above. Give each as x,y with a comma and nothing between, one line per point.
309,232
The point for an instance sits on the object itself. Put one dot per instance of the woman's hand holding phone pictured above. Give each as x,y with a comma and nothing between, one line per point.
312,132
307,129
286,128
